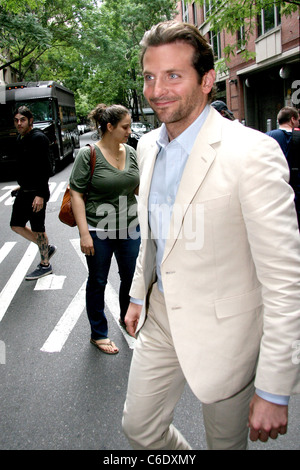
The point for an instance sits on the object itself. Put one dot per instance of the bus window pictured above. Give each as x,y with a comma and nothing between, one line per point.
53,108
41,110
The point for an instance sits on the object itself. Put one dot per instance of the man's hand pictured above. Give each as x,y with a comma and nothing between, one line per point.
266,419
38,204
132,318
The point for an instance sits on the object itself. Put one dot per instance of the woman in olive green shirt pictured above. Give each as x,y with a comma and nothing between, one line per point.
107,222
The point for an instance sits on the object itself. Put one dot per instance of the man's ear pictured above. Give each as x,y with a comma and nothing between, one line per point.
208,81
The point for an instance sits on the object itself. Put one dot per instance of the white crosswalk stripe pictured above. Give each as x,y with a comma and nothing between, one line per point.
12,285
111,297
62,330
58,337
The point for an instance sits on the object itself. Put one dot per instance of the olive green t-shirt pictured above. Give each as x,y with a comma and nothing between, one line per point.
111,202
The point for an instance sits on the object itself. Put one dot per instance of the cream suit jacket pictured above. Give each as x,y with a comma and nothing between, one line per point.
231,266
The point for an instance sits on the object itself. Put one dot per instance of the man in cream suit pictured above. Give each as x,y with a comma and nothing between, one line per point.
219,267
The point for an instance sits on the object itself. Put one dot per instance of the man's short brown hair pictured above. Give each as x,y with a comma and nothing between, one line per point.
286,114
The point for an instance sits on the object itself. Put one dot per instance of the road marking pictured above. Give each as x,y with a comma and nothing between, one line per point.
111,297
11,287
7,195
6,249
112,302
61,187
56,190
61,332
65,325
51,282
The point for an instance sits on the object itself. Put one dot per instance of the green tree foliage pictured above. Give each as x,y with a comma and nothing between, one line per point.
121,28
18,6
232,15
25,36
90,46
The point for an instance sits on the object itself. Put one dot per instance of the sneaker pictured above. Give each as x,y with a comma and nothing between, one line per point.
39,272
51,250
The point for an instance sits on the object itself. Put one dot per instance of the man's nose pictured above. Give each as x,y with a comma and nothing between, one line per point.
159,87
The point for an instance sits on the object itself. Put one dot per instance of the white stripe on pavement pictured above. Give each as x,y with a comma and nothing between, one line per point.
111,297
50,282
17,277
61,332
6,249
112,301
65,325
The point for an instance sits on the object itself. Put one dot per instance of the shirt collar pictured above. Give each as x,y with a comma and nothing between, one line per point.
187,138
284,129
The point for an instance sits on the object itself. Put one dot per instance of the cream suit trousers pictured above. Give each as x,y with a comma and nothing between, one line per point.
155,385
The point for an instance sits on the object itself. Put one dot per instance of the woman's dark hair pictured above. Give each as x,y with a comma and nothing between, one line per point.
103,115
24,111
169,32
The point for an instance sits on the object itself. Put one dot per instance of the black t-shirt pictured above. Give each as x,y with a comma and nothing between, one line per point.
33,162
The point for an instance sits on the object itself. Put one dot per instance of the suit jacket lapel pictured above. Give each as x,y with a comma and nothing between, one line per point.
146,165
196,169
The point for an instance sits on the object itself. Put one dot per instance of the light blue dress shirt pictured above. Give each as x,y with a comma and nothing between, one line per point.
168,170
169,166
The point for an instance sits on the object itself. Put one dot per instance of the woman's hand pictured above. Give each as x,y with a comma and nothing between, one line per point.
87,245
78,206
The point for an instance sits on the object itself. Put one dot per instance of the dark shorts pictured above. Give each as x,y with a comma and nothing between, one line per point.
22,212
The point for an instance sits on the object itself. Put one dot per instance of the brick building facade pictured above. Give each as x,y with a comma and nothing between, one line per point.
256,89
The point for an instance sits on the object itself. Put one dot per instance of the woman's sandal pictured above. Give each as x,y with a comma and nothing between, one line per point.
102,344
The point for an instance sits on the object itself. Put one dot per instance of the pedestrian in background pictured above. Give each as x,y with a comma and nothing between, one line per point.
288,137
33,171
287,119
223,109
107,222
219,272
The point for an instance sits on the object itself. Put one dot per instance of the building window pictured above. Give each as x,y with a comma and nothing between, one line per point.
195,18
185,11
215,42
209,6
240,36
268,19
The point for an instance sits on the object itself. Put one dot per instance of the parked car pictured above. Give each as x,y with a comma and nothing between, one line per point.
134,139
138,127
83,128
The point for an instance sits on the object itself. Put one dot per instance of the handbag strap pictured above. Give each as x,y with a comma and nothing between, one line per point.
93,159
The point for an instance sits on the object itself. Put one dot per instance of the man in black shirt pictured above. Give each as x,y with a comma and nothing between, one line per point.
33,172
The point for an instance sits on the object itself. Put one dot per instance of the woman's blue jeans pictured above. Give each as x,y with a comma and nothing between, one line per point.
125,251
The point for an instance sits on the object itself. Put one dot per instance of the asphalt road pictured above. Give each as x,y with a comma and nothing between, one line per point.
57,391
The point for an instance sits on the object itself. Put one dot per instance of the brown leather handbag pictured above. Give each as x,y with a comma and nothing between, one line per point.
66,213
